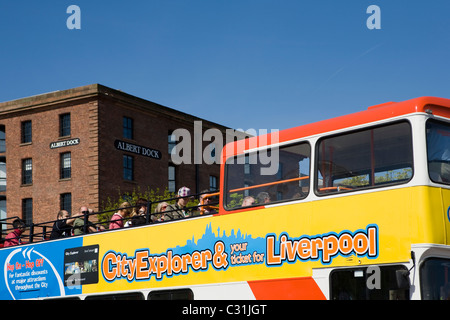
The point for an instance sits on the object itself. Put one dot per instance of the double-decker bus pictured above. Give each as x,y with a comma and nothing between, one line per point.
355,207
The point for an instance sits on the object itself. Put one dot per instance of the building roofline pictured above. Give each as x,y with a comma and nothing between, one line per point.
49,98
96,91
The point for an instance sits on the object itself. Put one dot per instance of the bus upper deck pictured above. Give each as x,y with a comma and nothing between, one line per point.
303,213
387,147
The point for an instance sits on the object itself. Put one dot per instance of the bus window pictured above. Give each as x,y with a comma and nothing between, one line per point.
438,150
247,183
375,283
117,296
75,298
435,279
179,294
367,158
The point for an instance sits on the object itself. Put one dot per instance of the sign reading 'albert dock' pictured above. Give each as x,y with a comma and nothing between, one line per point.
65,143
136,149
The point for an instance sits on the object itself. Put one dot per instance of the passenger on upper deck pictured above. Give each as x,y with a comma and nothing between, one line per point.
159,211
78,225
248,201
138,216
178,210
205,203
63,226
117,220
263,197
13,238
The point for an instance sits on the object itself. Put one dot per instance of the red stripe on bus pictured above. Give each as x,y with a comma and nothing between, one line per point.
287,289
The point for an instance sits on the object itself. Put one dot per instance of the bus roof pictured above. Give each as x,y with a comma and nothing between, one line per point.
434,105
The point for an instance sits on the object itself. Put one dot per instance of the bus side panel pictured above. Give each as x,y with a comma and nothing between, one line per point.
273,249
287,289
403,217
388,211
278,242
446,212
430,216
203,251
43,270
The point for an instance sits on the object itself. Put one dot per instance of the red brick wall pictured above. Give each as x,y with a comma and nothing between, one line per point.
97,172
150,130
47,185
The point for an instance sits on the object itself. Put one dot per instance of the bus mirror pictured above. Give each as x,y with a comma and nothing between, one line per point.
402,277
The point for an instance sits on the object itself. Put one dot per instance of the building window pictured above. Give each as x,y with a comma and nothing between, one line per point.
3,212
26,131
212,183
27,210
66,165
172,180
2,139
128,168
27,171
66,202
128,128
2,174
246,191
64,125
280,172
247,167
172,142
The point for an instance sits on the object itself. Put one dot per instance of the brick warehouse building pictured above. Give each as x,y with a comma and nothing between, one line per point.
79,146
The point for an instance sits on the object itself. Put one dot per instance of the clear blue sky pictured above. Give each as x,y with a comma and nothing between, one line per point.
260,64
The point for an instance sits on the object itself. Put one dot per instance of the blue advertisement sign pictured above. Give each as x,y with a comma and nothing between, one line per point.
37,271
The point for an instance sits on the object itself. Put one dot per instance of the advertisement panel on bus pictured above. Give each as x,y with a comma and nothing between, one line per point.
198,251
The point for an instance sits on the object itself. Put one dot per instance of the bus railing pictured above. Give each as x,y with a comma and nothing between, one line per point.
38,232
268,184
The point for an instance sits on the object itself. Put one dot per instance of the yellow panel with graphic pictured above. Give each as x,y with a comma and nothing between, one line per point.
271,243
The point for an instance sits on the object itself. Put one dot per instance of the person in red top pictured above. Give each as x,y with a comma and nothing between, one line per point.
13,238
124,212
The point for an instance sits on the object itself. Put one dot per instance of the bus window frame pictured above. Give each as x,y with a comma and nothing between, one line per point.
121,296
367,276
443,121
423,264
257,205
344,190
169,294
66,298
